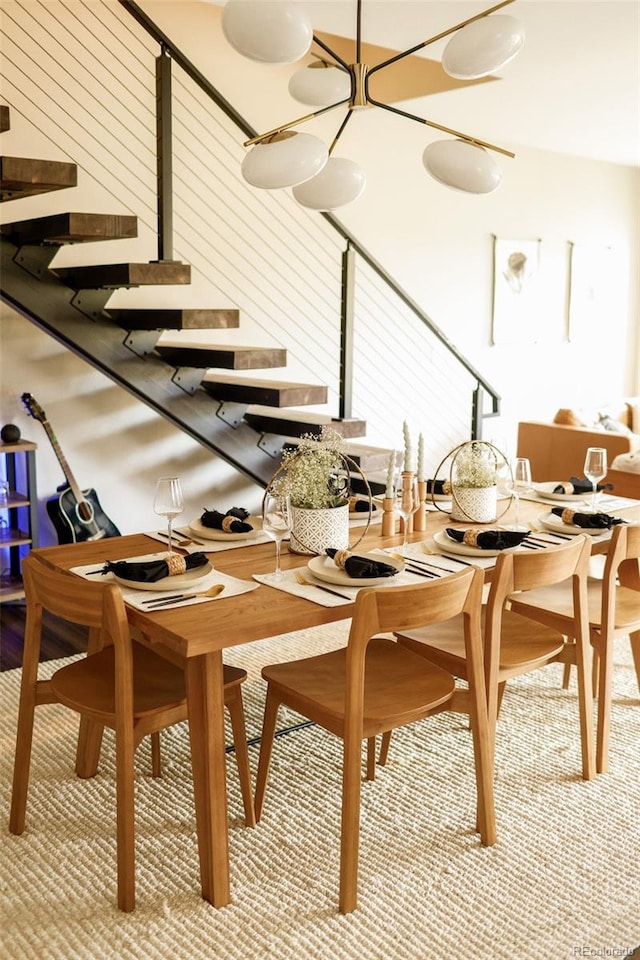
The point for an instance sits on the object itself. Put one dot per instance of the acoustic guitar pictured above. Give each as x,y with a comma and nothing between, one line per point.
76,514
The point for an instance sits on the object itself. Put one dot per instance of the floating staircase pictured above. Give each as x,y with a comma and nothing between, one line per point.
246,421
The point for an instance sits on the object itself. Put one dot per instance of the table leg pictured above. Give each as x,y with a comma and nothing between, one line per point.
205,700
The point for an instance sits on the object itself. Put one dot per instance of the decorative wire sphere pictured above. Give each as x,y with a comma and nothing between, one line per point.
498,458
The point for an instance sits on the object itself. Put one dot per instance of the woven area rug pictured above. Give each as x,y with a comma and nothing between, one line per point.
562,881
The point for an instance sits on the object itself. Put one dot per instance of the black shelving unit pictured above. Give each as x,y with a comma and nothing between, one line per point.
19,516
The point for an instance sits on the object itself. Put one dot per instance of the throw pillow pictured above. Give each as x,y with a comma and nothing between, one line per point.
628,462
614,426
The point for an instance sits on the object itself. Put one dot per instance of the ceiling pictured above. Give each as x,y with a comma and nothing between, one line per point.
574,88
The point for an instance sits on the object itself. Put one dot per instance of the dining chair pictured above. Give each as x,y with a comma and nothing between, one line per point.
373,684
122,685
514,642
613,611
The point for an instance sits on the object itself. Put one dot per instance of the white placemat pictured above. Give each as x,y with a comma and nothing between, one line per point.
145,599
318,591
606,503
206,546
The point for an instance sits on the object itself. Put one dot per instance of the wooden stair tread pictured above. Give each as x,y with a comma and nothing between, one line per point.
371,460
225,357
24,177
125,275
268,393
64,228
5,119
176,319
294,424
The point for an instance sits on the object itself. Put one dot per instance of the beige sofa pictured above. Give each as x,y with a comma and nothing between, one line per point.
556,450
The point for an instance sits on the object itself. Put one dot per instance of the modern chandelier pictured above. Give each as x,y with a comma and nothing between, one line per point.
279,31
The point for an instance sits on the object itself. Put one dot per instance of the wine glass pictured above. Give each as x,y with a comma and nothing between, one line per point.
595,469
518,483
406,500
276,523
168,502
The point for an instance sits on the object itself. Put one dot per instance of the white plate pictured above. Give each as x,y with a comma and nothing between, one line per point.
446,497
177,582
208,533
557,525
546,490
324,568
452,546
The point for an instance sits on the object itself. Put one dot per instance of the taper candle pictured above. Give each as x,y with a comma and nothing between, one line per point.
390,471
420,458
407,446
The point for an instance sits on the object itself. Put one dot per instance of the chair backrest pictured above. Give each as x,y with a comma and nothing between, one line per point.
398,609
519,572
98,606
625,545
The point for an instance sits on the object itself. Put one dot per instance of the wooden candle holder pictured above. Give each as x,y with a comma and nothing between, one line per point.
388,517
420,516
407,495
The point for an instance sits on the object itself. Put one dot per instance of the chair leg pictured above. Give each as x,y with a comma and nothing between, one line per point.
156,758
350,832
125,818
371,758
605,687
566,676
236,712
24,740
501,689
266,746
595,670
585,706
88,749
384,748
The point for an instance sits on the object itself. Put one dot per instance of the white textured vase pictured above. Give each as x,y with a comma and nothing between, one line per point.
312,531
476,504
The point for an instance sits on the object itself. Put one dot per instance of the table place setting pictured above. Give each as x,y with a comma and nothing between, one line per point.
198,584
329,584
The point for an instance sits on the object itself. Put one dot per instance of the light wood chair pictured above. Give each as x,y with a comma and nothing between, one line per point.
613,611
513,643
122,685
373,684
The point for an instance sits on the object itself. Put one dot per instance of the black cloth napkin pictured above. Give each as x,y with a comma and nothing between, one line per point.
149,571
358,505
439,487
580,485
236,524
361,567
593,520
488,539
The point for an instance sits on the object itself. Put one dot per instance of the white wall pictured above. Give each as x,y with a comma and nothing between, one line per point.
437,243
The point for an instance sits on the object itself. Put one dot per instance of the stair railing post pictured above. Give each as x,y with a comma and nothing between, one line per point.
477,413
164,155
346,333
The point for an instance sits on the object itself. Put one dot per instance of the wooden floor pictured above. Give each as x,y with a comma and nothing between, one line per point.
59,639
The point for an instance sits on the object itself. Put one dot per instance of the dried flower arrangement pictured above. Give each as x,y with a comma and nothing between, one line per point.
475,465
315,474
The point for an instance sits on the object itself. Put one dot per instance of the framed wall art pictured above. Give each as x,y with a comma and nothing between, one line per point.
516,293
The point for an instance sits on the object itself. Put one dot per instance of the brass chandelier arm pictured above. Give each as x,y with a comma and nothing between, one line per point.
439,126
294,123
439,36
341,130
327,49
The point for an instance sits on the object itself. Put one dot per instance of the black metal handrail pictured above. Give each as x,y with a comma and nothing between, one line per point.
482,386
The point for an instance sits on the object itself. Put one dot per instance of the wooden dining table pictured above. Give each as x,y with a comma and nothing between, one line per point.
196,635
